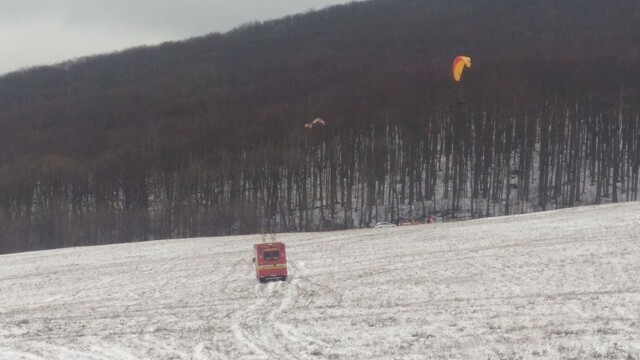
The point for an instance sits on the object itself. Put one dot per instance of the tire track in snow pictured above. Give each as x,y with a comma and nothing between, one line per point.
10,354
202,352
296,295
245,323
262,327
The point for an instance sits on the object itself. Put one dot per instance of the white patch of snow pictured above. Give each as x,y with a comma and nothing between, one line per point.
558,284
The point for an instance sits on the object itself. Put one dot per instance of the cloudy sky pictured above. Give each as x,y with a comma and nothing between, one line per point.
40,32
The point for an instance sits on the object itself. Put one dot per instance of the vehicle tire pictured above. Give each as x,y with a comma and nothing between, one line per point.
262,280
284,278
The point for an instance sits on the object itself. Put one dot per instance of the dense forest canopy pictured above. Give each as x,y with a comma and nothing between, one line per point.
205,136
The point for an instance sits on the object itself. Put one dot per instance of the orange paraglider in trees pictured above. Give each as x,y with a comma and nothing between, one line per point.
315,122
459,63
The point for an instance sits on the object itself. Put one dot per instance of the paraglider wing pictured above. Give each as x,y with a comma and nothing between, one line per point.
318,121
459,63
315,122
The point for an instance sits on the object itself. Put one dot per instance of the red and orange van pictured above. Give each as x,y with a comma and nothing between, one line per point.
270,261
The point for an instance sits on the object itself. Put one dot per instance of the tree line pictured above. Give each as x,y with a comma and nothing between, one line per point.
552,156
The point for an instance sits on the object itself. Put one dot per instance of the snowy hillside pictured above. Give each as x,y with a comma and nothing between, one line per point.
560,284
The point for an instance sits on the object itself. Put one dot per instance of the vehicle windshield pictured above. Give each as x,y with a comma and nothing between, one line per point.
272,255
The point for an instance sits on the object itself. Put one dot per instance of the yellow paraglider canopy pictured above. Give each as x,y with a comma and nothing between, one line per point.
459,63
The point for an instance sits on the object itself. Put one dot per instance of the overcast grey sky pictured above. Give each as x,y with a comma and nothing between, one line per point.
41,32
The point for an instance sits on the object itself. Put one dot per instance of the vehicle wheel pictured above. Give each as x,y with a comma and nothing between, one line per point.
284,278
262,280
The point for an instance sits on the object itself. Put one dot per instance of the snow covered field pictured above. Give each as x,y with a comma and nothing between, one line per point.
555,285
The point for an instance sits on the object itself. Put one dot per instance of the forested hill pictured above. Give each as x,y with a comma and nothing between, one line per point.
205,136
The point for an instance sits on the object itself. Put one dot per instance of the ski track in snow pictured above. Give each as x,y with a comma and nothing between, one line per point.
553,285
